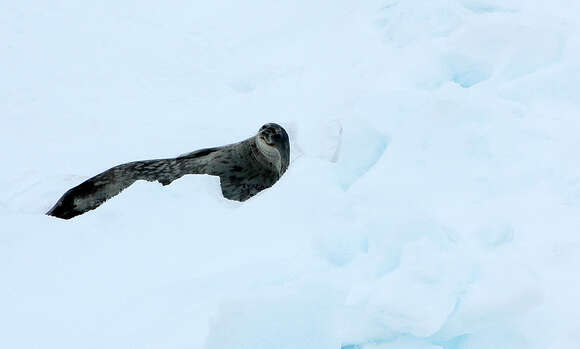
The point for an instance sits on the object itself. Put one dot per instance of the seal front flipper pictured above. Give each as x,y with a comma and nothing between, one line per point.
199,153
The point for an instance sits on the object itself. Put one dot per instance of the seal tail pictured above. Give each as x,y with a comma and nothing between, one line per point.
94,191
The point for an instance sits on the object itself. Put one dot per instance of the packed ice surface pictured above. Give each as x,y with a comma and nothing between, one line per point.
432,201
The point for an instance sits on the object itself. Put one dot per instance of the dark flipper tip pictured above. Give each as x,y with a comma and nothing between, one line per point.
61,213
60,210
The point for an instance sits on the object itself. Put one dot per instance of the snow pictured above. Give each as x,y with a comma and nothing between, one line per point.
432,201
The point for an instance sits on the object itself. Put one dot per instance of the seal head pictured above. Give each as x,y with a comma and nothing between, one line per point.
273,141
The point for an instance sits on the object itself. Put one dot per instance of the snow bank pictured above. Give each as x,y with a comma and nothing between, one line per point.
432,199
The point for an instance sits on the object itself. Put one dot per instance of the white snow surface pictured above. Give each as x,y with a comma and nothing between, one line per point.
432,200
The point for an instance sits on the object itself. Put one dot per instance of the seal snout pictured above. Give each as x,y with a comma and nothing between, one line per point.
274,136
271,134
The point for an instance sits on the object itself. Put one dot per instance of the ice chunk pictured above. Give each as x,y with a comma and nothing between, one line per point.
360,147
465,71
419,296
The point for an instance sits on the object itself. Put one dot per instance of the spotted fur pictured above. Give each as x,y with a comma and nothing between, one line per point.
244,168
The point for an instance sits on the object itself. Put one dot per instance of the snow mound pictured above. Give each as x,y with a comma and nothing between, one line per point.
432,199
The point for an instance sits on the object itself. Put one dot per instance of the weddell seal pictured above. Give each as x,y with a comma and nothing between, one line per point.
244,169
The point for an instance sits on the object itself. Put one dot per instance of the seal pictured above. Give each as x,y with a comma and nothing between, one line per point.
244,168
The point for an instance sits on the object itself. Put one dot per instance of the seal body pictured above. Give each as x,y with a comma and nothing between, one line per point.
244,169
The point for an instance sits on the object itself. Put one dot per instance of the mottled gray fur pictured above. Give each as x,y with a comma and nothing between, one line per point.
244,168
